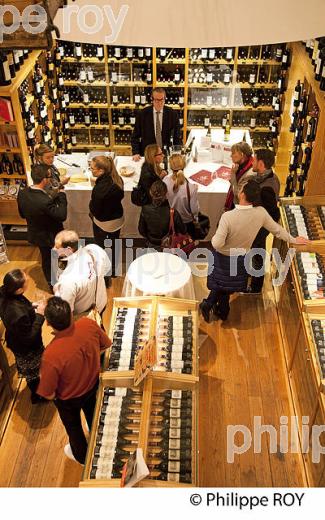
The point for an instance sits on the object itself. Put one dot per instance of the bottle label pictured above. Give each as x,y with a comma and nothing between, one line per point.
177,77
229,54
115,98
149,77
66,97
121,121
129,52
58,116
87,119
143,99
100,52
137,99
132,120
284,58
181,100
140,53
32,118
6,70
209,101
82,75
106,141
148,52
206,123
173,477
114,77
174,466
78,51
174,444
86,97
253,122
90,75
174,455
72,120
163,53
224,101
296,95
61,81
31,133
212,54
252,78
60,138
209,77
43,112
226,77
204,54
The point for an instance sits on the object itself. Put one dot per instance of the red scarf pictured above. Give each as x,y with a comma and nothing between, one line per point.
240,172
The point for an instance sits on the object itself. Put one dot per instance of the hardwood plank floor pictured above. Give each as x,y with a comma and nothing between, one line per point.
241,377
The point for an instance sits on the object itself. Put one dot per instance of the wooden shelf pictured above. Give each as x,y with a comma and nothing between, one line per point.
7,123
7,149
255,85
258,62
211,62
167,84
91,127
125,127
211,85
25,69
73,83
90,105
83,60
180,61
124,61
13,176
142,84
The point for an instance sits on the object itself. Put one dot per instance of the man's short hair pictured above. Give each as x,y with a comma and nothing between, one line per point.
39,172
252,191
67,238
158,90
265,155
58,313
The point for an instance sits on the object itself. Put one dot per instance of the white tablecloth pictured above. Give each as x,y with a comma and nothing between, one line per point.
211,197
159,274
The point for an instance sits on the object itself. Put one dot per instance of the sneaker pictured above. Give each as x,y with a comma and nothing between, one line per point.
205,311
68,452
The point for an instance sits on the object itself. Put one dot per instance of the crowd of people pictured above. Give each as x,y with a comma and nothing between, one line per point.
67,370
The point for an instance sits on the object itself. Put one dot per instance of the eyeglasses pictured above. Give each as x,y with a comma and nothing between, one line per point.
158,100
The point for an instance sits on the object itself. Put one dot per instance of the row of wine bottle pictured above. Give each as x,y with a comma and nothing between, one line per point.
169,455
311,269
10,63
11,167
318,329
131,329
175,343
316,51
277,52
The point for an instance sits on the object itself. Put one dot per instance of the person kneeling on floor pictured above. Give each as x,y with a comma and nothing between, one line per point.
70,369
236,232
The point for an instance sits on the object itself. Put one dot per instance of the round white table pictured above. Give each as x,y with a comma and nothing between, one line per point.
159,274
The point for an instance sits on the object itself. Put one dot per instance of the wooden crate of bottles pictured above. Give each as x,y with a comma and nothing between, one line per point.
305,216
314,325
159,416
172,321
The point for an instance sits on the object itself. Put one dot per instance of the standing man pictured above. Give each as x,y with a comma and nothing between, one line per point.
70,371
233,239
155,124
43,213
263,161
82,282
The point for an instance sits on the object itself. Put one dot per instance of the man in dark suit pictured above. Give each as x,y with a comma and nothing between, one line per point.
155,124
44,214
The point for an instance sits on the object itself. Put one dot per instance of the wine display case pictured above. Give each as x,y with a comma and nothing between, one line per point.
6,387
15,157
159,415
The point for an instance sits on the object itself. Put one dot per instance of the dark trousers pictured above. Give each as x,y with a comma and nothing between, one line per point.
100,236
69,411
258,261
46,262
221,300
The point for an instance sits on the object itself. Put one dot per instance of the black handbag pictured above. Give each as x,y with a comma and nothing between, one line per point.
202,225
139,196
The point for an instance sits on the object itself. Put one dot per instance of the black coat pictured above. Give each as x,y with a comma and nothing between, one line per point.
44,215
144,131
154,222
105,203
147,178
23,325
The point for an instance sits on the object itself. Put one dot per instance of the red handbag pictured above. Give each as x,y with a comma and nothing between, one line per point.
175,241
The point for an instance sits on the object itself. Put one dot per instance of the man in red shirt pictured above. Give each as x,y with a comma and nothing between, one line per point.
70,370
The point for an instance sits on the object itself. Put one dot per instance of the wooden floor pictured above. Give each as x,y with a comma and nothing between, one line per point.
241,376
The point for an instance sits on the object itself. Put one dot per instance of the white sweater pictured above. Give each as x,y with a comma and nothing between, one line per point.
238,228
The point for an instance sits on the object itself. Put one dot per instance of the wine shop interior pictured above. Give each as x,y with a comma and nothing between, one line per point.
199,396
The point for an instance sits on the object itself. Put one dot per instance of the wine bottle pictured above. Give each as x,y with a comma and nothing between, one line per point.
227,129
78,51
297,94
99,52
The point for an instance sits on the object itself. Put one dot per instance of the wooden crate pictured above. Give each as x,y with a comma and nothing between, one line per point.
317,246
155,304
150,385
20,39
307,318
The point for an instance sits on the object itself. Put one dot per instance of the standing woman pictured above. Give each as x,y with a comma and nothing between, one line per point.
44,154
23,325
152,168
181,194
241,172
106,210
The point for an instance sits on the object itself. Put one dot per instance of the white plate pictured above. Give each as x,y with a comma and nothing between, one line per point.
127,171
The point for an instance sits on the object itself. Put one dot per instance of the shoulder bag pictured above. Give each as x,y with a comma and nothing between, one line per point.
175,241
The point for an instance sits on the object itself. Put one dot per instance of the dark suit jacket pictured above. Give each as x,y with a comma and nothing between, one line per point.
144,132
44,215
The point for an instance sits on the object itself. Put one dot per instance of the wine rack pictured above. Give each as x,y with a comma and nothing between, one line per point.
304,121
315,49
14,153
160,415
97,90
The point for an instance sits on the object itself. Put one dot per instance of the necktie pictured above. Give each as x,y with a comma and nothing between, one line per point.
158,130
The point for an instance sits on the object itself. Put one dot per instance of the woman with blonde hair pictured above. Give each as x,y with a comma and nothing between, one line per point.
44,154
106,210
152,168
181,194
